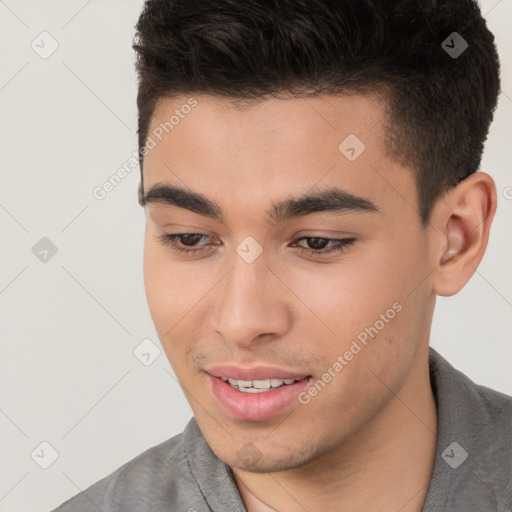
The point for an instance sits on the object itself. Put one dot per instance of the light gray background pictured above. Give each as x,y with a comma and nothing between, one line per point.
69,326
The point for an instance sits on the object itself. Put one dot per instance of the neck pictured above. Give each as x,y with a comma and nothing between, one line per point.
386,465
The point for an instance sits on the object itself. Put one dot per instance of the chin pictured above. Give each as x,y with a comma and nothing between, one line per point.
249,458
265,465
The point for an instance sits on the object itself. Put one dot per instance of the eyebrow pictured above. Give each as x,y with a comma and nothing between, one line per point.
333,200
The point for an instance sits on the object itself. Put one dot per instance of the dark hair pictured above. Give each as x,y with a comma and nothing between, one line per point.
439,104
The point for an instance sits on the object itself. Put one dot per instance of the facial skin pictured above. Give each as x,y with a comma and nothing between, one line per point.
299,311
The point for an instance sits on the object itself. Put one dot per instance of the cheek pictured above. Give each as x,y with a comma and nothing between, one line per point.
363,307
348,295
160,285
179,294
169,291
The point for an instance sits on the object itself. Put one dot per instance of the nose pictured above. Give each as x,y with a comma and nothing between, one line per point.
251,304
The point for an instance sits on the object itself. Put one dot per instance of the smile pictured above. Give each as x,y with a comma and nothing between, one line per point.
256,400
257,386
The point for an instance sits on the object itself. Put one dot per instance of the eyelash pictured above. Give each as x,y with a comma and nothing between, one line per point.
343,244
169,240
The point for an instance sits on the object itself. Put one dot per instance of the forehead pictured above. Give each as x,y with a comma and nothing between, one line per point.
264,148
285,126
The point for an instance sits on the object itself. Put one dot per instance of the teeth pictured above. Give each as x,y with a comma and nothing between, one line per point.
257,386
252,390
262,384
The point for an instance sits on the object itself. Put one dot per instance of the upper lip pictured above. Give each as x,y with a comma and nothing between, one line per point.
254,373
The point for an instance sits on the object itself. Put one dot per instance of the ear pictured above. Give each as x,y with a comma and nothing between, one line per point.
463,219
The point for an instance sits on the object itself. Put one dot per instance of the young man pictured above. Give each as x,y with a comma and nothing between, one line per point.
310,183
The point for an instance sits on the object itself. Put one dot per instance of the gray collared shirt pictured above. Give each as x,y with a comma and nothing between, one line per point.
472,468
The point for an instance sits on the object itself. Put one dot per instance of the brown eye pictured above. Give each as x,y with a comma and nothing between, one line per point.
185,239
190,238
317,243
321,245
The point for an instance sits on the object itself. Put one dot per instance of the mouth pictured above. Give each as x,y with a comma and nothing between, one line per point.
258,399
260,385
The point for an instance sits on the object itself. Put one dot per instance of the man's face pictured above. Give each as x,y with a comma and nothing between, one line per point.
260,287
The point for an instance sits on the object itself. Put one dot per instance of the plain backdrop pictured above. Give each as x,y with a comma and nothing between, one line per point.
74,397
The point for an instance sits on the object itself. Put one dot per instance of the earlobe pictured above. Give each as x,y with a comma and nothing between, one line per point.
464,220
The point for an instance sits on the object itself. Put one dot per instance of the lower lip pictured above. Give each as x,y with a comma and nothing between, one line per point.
256,406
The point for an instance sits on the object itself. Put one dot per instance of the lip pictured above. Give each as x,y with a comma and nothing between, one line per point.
256,406
255,373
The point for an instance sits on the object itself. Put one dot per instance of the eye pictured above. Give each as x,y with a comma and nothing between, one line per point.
317,245
188,241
